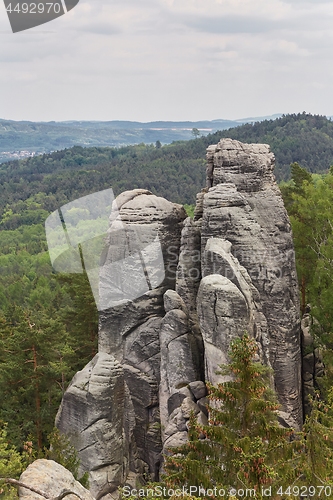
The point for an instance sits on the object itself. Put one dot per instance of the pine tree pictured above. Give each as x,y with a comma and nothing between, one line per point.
33,367
12,463
316,463
244,445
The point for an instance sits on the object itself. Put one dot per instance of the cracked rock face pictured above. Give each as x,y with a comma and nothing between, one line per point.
245,208
98,414
231,269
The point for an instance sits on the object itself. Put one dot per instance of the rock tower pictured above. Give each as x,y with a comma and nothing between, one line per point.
230,269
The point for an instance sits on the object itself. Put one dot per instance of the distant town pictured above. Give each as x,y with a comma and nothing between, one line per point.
16,155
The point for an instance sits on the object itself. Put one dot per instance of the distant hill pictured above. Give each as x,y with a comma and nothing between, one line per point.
23,138
175,171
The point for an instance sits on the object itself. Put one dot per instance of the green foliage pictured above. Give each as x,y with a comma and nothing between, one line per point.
12,463
316,465
33,371
309,202
62,452
244,445
189,210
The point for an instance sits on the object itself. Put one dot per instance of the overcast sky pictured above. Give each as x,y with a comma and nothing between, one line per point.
170,60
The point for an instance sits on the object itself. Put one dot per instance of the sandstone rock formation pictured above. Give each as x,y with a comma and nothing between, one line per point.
52,479
228,270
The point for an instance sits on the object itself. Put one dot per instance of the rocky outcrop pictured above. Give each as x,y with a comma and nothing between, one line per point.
52,479
245,207
98,414
175,292
111,409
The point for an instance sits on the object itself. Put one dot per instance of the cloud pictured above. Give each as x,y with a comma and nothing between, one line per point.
170,59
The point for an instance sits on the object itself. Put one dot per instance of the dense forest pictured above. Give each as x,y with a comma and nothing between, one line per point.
174,171
303,138
49,321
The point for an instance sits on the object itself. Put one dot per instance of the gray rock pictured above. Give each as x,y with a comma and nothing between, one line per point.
188,279
173,301
202,419
98,417
245,207
138,220
188,406
307,338
164,329
177,366
144,397
224,315
198,389
175,440
202,403
175,401
186,391
309,363
218,259
52,479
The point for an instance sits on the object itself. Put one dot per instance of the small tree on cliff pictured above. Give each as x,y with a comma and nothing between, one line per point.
244,445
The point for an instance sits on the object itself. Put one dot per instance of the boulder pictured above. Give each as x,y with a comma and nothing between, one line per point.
198,388
52,479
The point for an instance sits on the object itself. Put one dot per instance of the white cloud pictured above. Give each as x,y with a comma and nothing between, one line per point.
167,59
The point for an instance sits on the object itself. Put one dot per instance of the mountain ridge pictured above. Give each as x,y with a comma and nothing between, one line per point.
21,139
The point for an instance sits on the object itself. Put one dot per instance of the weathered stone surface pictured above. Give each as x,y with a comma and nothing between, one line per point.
52,479
202,403
97,414
139,219
188,406
224,316
175,440
177,365
198,388
188,280
202,419
245,207
173,301
218,259
230,270
312,363
175,401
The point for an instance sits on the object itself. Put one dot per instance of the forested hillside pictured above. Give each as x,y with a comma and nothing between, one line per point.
303,138
175,171
29,138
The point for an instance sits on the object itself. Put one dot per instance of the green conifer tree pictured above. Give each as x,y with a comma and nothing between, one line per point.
244,445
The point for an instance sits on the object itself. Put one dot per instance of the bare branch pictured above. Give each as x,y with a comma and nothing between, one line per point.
62,495
8,480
